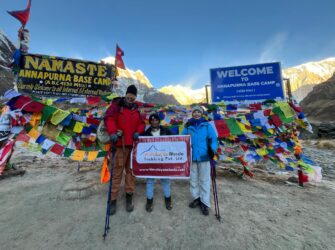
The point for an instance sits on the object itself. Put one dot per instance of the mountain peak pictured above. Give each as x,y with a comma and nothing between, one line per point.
137,75
184,94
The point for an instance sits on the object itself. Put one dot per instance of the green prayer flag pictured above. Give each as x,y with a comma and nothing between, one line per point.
68,152
47,111
63,139
101,154
28,128
233,127
277,110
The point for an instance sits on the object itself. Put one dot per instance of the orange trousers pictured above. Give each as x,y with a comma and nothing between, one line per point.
122,163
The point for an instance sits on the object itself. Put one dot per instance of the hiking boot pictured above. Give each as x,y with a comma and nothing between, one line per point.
112,208
204,209
194,203
129,202
168,203
149,205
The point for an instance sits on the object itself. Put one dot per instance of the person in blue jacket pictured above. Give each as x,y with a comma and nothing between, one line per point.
202,136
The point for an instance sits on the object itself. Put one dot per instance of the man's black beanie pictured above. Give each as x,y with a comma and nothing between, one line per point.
132,90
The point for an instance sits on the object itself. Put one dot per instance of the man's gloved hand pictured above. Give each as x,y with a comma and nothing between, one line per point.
135,136
114,138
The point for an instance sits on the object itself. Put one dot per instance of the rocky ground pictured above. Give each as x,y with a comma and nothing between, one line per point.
325,158
55,206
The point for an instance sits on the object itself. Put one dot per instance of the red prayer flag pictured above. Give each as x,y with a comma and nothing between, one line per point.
92,100
275,120
255,106
295,107
5,153
22,15
27,104
222,128
118,58
267,112
244,148
23,137
93,121
57,149
279,150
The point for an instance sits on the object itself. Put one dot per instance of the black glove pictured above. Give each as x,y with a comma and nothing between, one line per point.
114,138
135,136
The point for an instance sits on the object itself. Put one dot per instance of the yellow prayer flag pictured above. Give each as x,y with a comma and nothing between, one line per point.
35,119
92,155
74,110
180,129
33,133
78,155
243,127
271,131
112,96
163,123
59,116
286,109
78,127
262,151
49,102
281,165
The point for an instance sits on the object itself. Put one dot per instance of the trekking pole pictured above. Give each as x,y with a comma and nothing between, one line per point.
215,193
213,188
111,166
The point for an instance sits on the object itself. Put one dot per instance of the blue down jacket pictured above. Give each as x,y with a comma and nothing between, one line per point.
202,135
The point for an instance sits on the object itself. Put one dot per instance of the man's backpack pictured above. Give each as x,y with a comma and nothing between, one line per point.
102,133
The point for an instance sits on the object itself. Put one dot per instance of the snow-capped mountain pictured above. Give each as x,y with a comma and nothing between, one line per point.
305,76
6,51
185,95
145,90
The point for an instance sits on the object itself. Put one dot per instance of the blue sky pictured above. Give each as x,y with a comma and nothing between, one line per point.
178,41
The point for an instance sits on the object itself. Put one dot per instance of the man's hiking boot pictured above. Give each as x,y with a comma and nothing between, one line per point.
112,209
129,202
168,203
149,205
204,209
194,203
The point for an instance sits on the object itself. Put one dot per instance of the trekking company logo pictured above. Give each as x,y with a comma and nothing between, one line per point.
159,152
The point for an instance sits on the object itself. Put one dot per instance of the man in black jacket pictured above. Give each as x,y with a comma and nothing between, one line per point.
156,129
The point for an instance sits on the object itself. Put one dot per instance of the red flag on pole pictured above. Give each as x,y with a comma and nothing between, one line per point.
22,15
118,58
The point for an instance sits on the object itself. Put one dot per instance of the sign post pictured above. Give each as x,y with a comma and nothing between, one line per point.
247,83
56,76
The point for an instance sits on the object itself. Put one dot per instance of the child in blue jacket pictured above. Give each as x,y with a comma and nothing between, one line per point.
202,136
